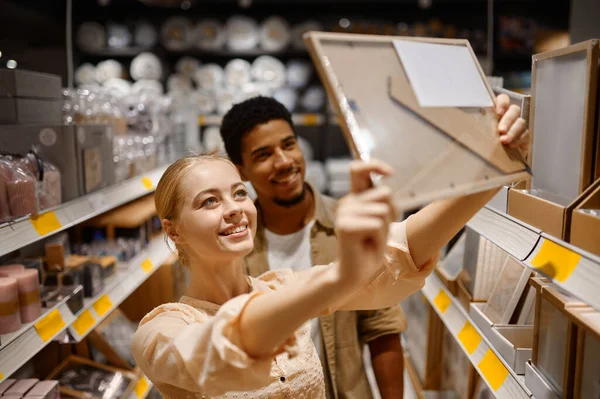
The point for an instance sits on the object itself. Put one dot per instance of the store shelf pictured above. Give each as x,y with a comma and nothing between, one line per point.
307,119
25,231
19,347
498,376
116,52
571,268
142,389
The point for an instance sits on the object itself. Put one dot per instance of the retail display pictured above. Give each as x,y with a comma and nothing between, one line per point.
9,305
242,33
584,231
275,34
565,140
457,372
366,80
112,338
587,377
81,378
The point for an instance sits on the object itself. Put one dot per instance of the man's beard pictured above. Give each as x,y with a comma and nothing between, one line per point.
288,203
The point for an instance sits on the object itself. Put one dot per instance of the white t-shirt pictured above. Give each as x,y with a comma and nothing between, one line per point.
292,251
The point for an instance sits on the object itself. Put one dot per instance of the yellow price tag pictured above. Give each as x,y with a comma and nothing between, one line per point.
141,387
147,266
45,223
147,183
442,301
103,305
201,120
469,338
493,370
311,119
1,376
50,325
556,261
84,322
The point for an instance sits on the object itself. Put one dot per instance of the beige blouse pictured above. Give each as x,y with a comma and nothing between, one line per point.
192,349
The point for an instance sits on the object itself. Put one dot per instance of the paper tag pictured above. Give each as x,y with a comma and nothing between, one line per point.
45,223
442,301
103,305
311,119
1,376
147,266
147,183
50,325
84,322
469,337
556,261
493,370
201,120
141,387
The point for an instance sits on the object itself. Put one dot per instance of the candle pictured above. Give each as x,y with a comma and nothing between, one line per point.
29,294
5,271
10,317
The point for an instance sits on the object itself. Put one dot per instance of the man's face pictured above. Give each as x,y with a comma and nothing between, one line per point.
273,162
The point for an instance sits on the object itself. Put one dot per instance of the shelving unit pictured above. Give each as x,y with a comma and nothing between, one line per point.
308,119
18,347
571,268
498,376
25,231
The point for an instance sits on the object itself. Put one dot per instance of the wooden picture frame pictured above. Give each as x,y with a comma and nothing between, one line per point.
437,152
544,105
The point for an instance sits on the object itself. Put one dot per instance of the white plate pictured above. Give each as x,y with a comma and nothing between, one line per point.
187,66
117,87
177,33
269,70
146,66
255,89
275,34
108,69
225,100
145,34
287,97
179,82
149,87
118,35
91,36
313,99
298,73
85,74
237,73
209,76
242,33
212,141
203,102
209,34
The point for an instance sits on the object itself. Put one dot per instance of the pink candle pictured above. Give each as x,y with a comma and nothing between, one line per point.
29,294
9,269
10,317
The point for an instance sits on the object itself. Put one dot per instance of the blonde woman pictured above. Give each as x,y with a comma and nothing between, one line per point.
236,336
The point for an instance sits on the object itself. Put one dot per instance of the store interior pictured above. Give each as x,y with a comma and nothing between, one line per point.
99,97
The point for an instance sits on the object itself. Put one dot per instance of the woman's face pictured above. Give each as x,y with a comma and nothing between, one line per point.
217,218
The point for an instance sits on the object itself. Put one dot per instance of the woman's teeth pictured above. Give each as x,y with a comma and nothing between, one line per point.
235,230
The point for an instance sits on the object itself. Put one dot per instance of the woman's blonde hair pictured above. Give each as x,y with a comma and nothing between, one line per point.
168,196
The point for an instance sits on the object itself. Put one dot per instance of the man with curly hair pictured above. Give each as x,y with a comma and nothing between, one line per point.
295,230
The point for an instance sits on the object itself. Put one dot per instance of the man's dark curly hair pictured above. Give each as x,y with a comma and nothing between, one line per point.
245,116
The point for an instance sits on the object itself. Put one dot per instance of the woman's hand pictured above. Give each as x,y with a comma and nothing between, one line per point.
511,127
362,224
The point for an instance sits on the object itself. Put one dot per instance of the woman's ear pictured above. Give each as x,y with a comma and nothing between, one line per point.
171,230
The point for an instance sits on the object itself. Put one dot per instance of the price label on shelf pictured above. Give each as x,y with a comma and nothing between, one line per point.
147,183
45,223
103,305
201,120
442,301
493,370
311,119
50,325
1,376
84,322
555,261
141,387
469,337
147,265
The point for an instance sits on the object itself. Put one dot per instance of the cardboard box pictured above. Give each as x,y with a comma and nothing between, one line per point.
585,222
563,127
83,154
22,83
548,213
30,110
555,335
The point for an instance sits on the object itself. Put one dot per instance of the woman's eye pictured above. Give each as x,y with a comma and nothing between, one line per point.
209,201
241,194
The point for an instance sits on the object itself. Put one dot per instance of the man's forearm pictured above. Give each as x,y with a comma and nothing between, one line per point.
432,227
387,359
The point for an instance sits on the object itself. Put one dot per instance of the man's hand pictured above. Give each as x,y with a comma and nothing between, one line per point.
511,127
